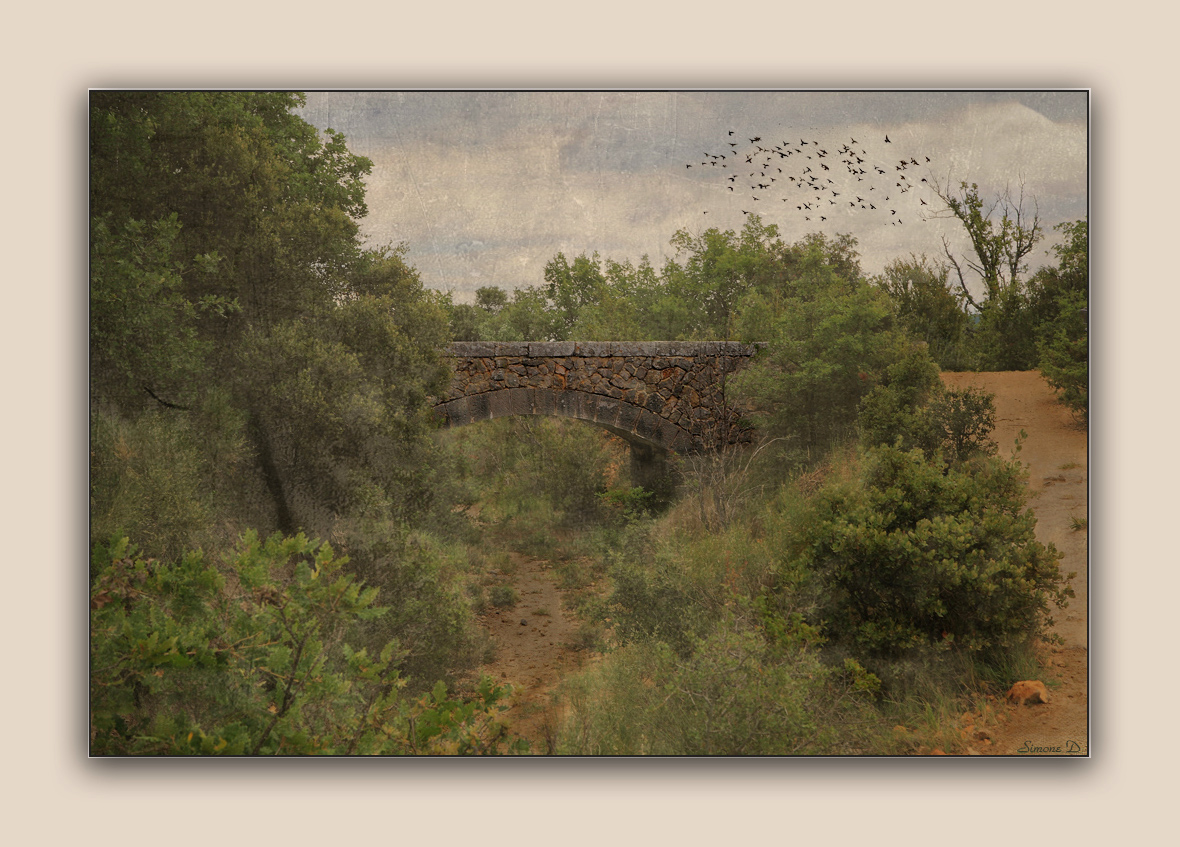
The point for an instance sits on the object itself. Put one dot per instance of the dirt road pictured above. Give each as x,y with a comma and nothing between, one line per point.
536,646
1055,452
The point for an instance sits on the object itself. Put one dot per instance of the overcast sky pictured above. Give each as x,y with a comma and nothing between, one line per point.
486,187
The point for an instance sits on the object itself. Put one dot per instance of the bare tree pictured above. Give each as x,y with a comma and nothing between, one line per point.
999,247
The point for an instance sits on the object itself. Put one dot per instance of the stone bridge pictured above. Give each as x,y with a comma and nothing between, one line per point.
657,395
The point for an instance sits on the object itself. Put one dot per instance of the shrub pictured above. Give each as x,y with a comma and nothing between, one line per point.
1064,355
733,694
917,552
503,596
912,409
429,609
188,658
146,479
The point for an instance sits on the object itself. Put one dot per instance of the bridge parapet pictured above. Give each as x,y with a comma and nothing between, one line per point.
664,394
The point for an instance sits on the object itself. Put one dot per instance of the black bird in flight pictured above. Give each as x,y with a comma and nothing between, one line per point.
887,141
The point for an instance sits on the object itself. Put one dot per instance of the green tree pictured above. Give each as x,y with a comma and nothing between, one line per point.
491,299
243,334
572,286
226,227
719,269
912,409
145,339
1063,295
830,341
927,308
338,402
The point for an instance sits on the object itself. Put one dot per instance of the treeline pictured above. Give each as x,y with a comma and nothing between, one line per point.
286,556
978,313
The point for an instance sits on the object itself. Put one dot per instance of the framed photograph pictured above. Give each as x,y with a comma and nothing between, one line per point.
589,423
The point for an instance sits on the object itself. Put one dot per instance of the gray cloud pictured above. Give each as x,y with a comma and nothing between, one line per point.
486,187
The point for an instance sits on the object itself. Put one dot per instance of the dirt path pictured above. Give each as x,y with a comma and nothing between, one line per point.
535,648
1055,452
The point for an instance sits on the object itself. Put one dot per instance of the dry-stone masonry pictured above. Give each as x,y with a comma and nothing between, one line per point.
658,395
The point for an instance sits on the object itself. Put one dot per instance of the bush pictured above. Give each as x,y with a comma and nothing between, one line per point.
188,658
650,602
912,409
916,552
1065,352
147,479
429,609
503,596
733,694
829,342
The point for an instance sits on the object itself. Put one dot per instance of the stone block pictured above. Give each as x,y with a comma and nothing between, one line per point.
543,401
551,349
628,417
593,348
510,401
629,348
471,349
478,407
606,411
647,426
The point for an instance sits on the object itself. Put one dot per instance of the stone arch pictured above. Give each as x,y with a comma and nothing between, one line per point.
634,424
659,396
648,436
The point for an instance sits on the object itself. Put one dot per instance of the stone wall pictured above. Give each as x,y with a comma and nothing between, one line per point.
668,394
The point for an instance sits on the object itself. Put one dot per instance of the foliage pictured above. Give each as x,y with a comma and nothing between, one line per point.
671,583
927,308
1063,345
912,409
652,601
915,552
830,341
732,694
429,608
188,658
504,596
627,503
999,247
229,286
146,479
520,461
358,372
144,339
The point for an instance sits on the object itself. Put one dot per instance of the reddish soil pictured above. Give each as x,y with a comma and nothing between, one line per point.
536,645
1055,452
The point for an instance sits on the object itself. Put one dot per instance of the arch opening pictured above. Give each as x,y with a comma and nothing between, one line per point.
648,436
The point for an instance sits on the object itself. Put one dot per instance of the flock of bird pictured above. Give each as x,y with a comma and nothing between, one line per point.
807,179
